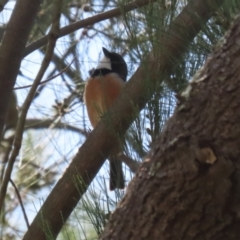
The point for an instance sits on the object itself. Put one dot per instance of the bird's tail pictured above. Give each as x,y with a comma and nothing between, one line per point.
116,174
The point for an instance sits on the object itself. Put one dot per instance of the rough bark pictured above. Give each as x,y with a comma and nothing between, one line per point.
189,186
87,162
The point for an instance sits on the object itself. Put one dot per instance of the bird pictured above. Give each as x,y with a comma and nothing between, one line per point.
101,91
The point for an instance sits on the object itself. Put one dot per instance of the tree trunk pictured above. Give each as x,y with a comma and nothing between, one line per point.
189,186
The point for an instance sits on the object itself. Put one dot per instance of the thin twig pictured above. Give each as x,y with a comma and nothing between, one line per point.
39,124
89,21
52,38
56,59
48,79
21,203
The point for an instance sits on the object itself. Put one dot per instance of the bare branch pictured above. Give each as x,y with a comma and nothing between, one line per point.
11,51
89,21
21,203
48,79
46,123
53,36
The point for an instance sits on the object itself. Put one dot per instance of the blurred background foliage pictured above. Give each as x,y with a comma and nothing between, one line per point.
57,123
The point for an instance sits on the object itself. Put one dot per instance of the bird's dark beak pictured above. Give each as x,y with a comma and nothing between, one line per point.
106,52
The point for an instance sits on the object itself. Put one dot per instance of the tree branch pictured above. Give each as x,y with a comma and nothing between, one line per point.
21,203
40,124
53,36
48,79
89,21
137,92
11,50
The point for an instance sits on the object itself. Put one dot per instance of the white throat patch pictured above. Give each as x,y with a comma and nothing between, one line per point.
104,63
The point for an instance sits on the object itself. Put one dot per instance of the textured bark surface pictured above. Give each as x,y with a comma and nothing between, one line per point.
177,194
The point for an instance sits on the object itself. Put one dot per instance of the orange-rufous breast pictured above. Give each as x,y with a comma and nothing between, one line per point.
100,94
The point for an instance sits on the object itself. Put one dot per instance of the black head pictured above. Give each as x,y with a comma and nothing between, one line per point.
112,62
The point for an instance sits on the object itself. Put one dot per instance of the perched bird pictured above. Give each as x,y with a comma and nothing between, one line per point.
101,90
